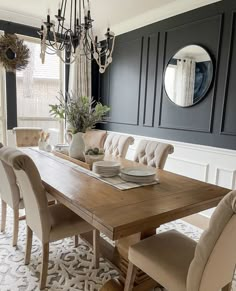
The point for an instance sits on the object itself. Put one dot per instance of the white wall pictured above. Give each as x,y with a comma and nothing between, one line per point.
160,13
209,164
120,15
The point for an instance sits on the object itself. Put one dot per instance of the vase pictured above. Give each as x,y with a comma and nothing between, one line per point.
77,146
41,145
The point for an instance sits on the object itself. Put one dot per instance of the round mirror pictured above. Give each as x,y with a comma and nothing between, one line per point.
188,75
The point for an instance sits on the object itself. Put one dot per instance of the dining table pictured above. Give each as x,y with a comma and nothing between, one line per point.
124,217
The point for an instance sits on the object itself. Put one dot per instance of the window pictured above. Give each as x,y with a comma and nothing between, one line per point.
2,103
37,87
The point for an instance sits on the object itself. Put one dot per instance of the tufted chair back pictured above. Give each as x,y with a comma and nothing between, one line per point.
213,264
10,192
153,153
27,136
95,138
117,145
34,193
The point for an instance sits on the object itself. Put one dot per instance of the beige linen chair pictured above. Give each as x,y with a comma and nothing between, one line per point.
49,223
27,136
153,153
117,145
10,195
178,263
95,138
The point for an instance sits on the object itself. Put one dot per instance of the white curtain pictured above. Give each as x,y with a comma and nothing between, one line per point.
28,73
184,82
3,129
80,77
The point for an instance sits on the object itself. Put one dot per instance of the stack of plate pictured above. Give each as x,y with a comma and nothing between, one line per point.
106,168
138,175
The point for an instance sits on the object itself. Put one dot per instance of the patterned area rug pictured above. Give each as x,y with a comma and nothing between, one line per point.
70,268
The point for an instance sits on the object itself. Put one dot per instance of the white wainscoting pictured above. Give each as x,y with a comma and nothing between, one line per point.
208,164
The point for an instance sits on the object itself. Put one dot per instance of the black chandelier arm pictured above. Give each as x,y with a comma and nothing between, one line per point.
51,46
50,39
52,43
62,28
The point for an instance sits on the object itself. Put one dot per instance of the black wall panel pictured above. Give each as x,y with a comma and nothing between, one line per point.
172,116
150,79
229,111
133,84
127,62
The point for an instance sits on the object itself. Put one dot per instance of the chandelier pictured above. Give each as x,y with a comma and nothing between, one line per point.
75,38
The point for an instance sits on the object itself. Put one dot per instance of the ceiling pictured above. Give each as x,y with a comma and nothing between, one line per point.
121,15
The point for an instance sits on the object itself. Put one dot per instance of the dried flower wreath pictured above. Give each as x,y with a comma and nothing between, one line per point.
14,54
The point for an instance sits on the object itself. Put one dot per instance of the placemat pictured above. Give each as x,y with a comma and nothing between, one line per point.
115,181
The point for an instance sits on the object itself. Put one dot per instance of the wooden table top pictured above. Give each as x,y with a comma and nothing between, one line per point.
119,213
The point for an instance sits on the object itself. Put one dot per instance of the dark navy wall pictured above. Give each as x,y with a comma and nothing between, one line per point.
133,84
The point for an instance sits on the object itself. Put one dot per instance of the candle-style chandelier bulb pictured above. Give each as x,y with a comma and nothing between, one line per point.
77,39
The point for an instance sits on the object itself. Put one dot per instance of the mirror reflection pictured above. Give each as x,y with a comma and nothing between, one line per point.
188,75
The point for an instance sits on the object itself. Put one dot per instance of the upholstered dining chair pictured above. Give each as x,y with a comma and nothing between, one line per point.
10,195
178,263
49,223
153,153
95,138
26,136
117,145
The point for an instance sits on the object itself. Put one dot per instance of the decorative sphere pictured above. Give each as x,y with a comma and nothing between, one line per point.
109,60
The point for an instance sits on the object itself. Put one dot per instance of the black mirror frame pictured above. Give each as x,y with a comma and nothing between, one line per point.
207,88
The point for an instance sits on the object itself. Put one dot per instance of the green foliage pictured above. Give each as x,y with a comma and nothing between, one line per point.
82,113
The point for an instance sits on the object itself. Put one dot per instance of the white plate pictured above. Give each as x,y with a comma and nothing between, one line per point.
106,164
138,179
138,172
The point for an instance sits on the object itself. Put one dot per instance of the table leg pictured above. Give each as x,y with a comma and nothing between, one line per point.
118,257
141,281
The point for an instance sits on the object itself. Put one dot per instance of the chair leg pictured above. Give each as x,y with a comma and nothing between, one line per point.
96,251
130,277
112,285
228,287
28,245
16,227
4,216
44,271
76,237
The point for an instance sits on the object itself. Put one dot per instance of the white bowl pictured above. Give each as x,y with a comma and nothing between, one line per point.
90,159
